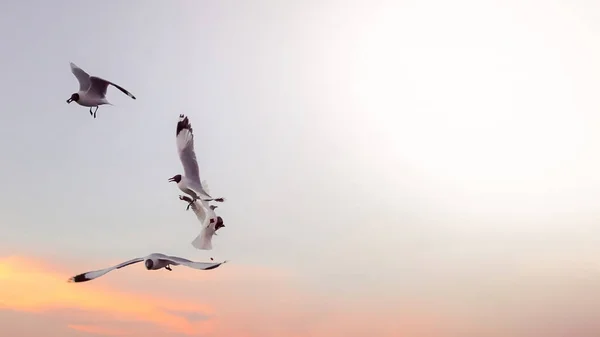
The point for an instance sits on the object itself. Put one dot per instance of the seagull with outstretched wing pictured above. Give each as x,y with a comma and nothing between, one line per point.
92,90
152,262
189,183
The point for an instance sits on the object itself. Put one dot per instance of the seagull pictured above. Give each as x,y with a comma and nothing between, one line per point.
210,222
92,90
153,261
189,183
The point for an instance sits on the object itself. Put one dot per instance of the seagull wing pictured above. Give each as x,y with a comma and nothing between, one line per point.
196,265
90,275
197,207
205,186
204,239
82,77
100,85
187,155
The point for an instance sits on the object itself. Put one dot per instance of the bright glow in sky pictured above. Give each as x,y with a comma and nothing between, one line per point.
415,168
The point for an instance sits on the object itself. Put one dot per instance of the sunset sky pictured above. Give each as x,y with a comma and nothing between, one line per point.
391,168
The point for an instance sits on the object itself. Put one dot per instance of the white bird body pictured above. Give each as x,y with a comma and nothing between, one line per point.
185,185
153,261
92,90
189,183
90,100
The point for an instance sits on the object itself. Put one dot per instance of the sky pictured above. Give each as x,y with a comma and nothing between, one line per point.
391,168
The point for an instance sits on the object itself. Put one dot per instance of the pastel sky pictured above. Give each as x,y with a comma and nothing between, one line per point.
391,168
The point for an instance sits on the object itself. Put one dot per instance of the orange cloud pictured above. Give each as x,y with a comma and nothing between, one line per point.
99,330
241,301
27,285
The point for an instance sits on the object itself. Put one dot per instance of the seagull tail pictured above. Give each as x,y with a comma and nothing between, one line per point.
202,241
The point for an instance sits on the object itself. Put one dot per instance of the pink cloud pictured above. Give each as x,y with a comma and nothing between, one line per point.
236,301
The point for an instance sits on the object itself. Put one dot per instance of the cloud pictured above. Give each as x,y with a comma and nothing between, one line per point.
239,300
99,330
32,286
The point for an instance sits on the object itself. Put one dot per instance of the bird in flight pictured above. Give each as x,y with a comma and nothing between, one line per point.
189,183
211,222
92,90
153,261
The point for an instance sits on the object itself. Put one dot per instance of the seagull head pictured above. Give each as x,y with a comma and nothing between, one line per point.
149,264
176,178
219,223
213,207
74,97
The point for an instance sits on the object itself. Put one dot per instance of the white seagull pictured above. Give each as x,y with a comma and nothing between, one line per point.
92,90
152,262
189,183
211,222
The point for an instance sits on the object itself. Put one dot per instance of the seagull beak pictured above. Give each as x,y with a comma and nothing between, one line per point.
171,179
69,100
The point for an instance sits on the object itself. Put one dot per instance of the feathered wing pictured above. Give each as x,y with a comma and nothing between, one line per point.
198,207
82,77
199,211
187,155
100,85
204,240
207,191
205,186
195,265
90,275
204,213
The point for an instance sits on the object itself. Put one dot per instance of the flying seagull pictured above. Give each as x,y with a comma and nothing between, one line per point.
189,183
210,222
92,90
152,262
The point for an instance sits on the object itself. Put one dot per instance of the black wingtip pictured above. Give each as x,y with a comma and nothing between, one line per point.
184,123
213,267
78,278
